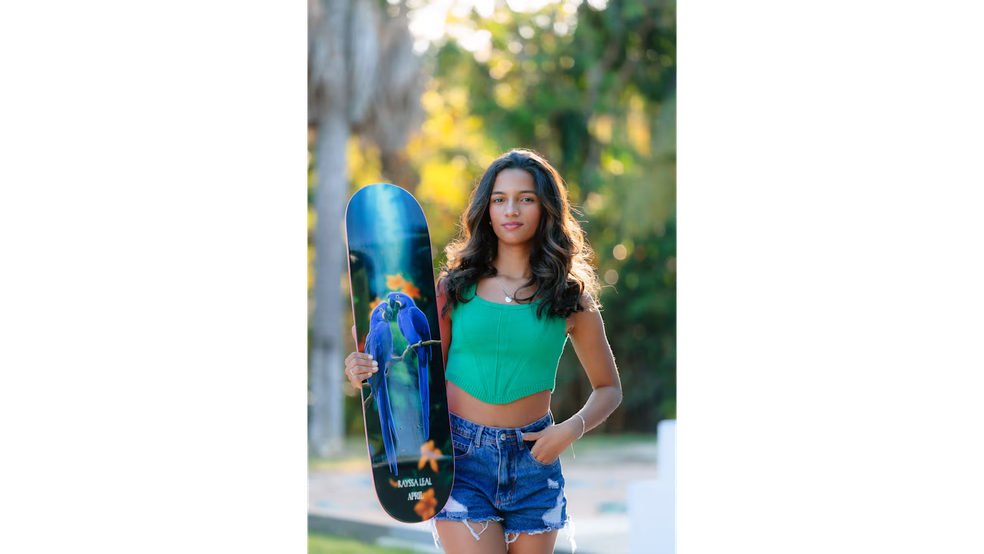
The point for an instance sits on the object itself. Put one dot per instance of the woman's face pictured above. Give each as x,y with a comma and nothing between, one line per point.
514,207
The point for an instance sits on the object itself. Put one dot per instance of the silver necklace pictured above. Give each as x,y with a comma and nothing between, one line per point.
509,297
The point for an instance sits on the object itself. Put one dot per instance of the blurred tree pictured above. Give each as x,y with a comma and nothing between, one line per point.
363,78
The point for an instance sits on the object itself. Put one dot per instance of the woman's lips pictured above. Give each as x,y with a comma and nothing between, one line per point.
512,225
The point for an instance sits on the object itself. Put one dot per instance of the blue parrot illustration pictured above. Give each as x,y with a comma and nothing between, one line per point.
413,324
379,344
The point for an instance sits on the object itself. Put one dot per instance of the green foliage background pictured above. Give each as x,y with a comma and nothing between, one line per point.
595,92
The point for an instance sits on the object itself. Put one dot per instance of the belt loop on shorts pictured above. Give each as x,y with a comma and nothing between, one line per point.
478,435
519,437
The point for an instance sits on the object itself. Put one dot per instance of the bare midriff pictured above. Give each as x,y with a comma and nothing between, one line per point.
517,413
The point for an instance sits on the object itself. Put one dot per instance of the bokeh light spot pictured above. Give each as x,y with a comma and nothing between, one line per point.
594,202
619,252
611,276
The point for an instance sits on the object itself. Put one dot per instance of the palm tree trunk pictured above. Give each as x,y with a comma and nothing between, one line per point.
327,373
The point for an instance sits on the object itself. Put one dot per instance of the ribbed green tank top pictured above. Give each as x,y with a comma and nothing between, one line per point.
502,352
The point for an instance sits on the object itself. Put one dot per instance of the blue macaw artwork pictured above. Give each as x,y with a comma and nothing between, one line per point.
413,324
404,402
379,344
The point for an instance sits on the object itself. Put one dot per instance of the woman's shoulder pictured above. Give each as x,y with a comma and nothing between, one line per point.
589,309
588,303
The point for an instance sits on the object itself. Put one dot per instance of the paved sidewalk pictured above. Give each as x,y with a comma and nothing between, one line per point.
341,501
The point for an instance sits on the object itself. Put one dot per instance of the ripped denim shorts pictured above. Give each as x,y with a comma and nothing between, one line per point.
496,478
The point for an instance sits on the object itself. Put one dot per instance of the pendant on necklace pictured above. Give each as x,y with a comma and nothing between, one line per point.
509,299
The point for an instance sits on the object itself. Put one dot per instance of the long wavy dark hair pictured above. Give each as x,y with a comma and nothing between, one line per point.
560,255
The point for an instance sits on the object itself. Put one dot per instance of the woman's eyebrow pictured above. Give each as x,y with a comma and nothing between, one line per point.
520,192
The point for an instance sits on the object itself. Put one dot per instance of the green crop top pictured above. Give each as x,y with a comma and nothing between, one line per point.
502,352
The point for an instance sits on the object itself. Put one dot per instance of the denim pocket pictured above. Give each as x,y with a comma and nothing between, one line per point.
527,445
462,446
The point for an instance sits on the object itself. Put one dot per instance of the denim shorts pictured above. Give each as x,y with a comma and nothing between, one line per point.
496,478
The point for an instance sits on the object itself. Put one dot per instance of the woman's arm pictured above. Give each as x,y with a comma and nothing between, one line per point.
593,351
595,354
445,321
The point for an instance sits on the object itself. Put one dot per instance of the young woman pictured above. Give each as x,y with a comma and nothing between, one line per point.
516,286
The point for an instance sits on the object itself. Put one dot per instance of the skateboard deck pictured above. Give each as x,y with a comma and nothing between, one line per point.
404,404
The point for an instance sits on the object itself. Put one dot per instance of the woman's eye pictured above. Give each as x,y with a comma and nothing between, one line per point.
527,199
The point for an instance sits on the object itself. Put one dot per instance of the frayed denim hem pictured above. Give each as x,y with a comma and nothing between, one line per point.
567,526
463,519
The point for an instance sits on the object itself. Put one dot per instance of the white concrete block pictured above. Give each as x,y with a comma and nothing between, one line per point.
666,450
651,504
